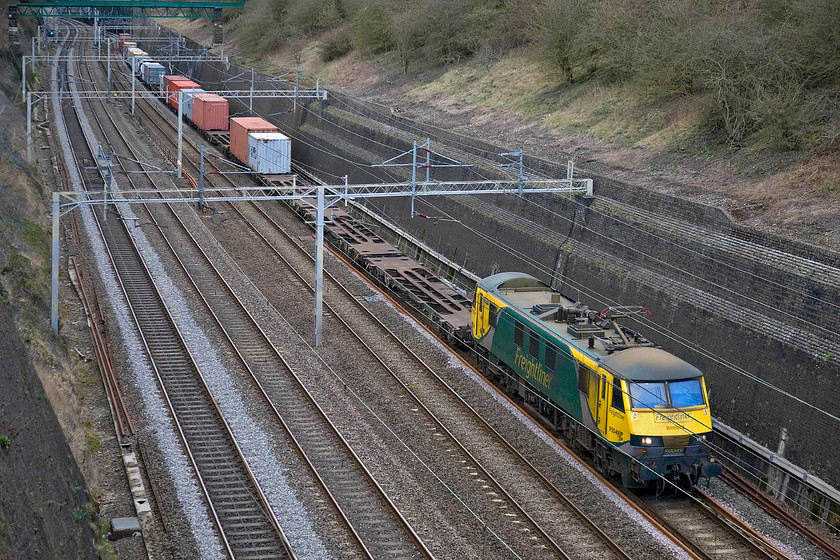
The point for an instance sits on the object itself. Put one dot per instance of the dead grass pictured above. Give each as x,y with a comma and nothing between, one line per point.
199,30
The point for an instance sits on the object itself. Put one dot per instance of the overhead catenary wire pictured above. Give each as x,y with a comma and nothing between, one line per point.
658,328
650,324
490,158
362,166
583,289
666,332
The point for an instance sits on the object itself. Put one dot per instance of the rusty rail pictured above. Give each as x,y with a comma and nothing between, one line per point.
95,318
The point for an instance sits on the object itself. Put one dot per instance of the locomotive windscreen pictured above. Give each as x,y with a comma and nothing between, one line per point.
667,394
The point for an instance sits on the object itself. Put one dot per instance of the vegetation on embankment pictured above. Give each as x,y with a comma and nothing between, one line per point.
732,103
748,73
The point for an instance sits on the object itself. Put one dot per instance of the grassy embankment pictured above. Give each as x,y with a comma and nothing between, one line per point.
741,98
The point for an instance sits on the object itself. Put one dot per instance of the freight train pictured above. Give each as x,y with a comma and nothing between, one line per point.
638,411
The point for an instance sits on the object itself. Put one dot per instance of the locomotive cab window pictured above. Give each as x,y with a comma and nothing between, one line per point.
518,334
494,315
685,393
550,357
648,395
534,344
583,378
617,396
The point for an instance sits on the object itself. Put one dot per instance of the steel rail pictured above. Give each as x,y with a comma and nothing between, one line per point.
755,541
694,532
524,513
567,502
109,378
778,511
233,549
153,365
281,359
420,361
360,306
593,527
226,329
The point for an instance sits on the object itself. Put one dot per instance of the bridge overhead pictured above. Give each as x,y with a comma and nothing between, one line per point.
125,8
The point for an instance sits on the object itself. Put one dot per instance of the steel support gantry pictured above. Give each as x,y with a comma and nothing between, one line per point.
323,194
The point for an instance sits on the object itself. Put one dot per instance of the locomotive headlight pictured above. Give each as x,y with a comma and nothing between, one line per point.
704,437
647,440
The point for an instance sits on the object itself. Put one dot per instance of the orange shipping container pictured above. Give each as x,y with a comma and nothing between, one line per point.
210,112
176,85
169,78
239,129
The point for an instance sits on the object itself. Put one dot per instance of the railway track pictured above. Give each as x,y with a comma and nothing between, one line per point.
556,549
372,519
708,532
395,352
247,527
783,514
713,554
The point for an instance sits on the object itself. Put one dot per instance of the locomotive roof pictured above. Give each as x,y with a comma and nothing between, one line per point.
510,280
648,364
636,363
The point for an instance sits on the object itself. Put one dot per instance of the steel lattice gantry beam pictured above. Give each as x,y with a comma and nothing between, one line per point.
125,8
325,195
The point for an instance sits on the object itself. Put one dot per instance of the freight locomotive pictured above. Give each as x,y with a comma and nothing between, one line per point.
640,411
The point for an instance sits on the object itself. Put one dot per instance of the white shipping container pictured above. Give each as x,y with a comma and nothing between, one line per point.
188,96
269,153
131,52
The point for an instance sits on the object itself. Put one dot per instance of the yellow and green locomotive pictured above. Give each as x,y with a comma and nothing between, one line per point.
640,411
